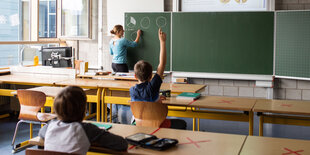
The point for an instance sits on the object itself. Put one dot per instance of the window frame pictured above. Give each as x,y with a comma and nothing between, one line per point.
89,31
38,22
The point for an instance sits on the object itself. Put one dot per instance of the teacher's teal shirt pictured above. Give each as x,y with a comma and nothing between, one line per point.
119,50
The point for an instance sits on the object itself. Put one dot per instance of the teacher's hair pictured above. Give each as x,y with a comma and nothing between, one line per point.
116,29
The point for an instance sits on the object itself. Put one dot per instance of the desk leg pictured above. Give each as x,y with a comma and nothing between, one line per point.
111,108
261,125
104,108
42,111
31,131
98,104
198,122
194,123
250,123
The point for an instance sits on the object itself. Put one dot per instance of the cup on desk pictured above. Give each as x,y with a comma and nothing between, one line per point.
81,67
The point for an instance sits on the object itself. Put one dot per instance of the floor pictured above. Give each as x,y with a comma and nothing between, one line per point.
7,127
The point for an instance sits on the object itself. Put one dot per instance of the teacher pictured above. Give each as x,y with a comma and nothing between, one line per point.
118,48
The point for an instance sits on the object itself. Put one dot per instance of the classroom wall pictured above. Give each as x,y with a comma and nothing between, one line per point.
292,4
283,89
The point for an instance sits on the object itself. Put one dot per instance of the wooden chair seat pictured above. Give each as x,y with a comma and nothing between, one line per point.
150,114
44,117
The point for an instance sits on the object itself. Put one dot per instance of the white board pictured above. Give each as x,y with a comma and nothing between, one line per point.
117,8
226,5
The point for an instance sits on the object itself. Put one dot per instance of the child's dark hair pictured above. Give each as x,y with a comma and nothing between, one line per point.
143,70
116,29
70,104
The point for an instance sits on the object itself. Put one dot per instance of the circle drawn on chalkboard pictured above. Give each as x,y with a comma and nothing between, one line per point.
242,1
224,1
161,22
145,22
131,22
133,36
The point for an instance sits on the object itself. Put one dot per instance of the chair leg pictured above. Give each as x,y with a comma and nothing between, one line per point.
16,128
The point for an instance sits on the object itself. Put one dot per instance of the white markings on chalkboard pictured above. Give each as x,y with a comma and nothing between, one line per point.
145,22
133,36
131,22
161,22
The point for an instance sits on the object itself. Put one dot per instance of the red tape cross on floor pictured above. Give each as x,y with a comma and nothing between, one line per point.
133,146
292,152
225,101
195,142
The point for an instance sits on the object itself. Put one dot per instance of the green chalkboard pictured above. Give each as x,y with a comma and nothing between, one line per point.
223,42
293,44
148,48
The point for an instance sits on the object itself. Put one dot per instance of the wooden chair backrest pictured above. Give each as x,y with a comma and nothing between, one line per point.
30,103
150,114
44,152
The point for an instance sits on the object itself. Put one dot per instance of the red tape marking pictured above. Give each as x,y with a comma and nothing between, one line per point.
194,142
192,102
133,146
286,105
225,101
292,152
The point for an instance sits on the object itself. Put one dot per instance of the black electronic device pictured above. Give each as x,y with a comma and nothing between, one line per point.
57,56
151,141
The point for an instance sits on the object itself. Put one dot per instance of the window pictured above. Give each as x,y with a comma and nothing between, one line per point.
75,15
14,26
47,19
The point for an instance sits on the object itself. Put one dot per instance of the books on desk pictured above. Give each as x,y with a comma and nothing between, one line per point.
102,126
189,96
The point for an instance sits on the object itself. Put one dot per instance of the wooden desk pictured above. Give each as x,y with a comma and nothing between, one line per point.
255,145
89,84
124,86
51,93
32,79
190,142
195,142
288,112
242,106
113,77
85,83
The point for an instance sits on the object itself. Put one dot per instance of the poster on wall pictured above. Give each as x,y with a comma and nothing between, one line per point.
224,5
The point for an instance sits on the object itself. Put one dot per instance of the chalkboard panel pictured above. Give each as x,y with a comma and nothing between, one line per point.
148,48
223,42
293,44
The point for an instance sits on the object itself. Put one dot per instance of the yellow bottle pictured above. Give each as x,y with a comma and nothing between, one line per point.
35,61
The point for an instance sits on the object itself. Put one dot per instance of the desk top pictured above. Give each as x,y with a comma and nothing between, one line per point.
215,102
283,106
227,103
48,91
88,83
255,145
109,77
190,142
117,84
31,79
213,143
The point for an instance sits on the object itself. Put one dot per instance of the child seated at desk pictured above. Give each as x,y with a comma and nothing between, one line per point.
69,134
148,87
